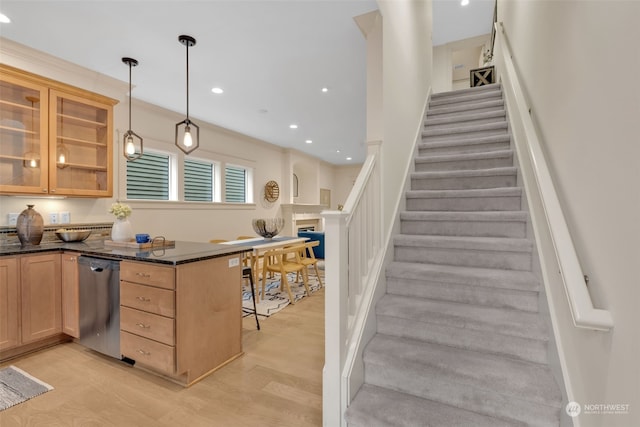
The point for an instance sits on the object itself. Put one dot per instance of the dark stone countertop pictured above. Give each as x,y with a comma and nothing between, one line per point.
181,253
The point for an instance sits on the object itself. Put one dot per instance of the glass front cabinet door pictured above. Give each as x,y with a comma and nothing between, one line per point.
55,139
23,136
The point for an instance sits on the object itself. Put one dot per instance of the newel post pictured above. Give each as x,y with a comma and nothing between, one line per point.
335,318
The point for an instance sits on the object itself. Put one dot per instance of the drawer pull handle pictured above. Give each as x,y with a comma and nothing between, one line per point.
145,353
143,326
146,275
145,299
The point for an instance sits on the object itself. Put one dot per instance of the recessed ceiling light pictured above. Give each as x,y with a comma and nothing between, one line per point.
464,2
217,90
325,89
4,19
348,158
308,141
337,151
293,126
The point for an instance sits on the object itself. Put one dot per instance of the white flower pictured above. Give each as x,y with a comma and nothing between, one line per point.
120,210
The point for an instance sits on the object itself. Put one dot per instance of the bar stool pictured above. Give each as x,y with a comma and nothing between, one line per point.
248,274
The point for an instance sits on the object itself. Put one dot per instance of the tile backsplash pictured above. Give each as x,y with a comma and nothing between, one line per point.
99,231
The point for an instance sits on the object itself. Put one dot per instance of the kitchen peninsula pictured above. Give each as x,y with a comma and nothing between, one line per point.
180,306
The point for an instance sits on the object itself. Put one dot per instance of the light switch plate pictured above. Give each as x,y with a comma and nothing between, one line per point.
234,262
65,217
12,218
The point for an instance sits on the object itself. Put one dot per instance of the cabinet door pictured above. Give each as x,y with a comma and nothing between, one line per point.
70,295
80,135
41,294
9,303
23,136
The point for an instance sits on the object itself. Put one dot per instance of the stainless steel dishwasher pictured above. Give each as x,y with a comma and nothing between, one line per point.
100,304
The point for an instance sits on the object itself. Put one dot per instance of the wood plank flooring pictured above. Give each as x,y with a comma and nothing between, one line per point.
277,382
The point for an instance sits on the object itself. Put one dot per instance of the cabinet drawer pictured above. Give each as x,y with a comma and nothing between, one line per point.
148,352
148,325
148,298
148,274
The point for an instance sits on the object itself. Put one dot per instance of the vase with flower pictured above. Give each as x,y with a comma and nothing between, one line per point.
122,231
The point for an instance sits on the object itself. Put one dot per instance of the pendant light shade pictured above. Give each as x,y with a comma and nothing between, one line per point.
132,142
187,132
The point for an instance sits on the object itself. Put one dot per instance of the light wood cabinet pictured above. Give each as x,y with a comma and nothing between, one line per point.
185,321
41,294
9,303
68,130
70,294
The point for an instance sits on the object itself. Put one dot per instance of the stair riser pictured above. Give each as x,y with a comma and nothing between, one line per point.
463,293
428,127
446,112
464,228
465,257
462,134
435,386
464,100
514,347
425,150
463,183
451,165
464,204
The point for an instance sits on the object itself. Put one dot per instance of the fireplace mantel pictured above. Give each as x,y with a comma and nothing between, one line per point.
297,214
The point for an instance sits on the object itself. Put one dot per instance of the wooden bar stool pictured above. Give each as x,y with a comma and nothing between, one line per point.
248,274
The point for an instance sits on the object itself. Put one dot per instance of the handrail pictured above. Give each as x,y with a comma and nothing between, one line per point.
584,314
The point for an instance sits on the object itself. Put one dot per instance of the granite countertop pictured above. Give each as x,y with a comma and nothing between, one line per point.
181,253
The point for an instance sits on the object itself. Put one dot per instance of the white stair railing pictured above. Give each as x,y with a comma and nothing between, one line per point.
352,248
538,183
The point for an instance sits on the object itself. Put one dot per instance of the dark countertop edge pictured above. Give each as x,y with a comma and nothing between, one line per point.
70,247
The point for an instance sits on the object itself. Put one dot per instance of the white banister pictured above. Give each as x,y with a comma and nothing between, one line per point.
584,314
352,247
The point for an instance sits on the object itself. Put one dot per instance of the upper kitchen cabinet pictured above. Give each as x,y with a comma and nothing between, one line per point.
55,139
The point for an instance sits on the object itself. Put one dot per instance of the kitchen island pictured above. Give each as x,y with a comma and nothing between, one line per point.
180,306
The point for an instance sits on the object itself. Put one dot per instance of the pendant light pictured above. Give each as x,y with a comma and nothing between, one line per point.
186,140
130,151
32,157
62,153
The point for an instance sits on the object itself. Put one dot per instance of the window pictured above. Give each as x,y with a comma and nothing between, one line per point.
148,177
235,187
198,181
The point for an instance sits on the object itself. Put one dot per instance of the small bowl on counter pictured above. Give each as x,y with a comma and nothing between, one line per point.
72,235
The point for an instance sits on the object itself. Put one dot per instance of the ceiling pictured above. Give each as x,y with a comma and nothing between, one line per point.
272,58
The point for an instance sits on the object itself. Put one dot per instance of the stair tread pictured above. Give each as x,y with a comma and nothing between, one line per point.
451,109
510,244
464,156
476,89
377,407
506,170
503,321
464,216
497,125
475,192
465,140
517,379
464,97
489,277
468,116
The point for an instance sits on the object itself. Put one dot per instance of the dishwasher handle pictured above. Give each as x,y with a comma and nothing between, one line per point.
97,269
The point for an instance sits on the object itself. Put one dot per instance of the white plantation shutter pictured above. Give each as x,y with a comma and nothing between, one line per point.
148,177
235,184
198,181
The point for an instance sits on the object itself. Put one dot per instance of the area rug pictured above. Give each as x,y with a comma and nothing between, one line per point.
17,386
276,299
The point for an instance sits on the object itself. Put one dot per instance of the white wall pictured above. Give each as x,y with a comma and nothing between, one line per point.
407,57
175,220
579,63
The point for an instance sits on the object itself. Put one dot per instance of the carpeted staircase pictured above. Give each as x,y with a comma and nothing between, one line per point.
460,341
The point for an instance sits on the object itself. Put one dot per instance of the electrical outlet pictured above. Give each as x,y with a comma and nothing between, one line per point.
13,218
65,217
53,218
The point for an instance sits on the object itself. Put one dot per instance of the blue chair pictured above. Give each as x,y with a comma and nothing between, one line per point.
318,251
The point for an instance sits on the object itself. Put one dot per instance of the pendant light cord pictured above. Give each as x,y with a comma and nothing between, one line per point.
130,89
187,44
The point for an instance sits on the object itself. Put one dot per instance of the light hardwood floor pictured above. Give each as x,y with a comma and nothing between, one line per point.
277,382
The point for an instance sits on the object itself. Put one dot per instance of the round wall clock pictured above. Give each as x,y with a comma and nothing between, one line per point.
271,191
